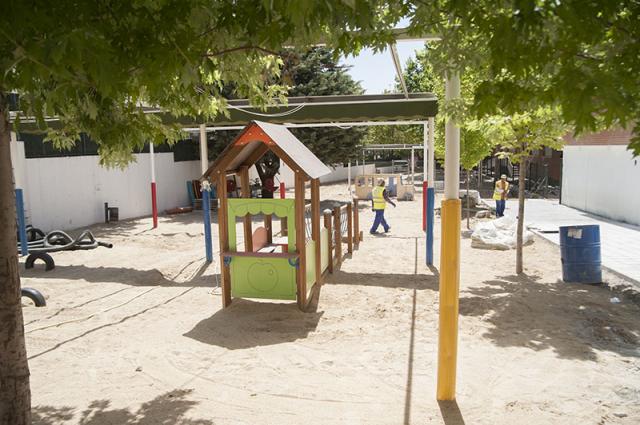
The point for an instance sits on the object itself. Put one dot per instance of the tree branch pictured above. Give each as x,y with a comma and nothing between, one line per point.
246,47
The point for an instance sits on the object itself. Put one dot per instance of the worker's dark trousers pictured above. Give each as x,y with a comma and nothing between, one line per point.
378,221
500,206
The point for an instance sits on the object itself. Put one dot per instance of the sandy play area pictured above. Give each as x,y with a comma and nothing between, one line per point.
136,335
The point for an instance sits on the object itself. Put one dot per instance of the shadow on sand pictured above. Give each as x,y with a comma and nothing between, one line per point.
122,275
246,324
167,409
572,320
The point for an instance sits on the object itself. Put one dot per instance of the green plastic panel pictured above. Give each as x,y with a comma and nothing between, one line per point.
311,265
254,206
254,277
324,245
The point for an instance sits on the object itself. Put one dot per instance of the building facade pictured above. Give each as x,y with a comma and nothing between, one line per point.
601,176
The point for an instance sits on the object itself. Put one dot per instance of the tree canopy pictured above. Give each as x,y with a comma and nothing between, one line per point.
420,76
581,55
315,72
94,64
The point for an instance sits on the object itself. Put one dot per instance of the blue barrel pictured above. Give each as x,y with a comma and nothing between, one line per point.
580,253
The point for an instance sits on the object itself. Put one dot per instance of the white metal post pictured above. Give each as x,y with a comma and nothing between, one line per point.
349,177
431,177
452,143
413,164
153,163
425,150
204,154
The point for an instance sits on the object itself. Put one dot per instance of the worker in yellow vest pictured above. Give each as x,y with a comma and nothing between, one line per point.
500,195
379,198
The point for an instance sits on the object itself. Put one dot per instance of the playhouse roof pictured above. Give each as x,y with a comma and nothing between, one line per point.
258,138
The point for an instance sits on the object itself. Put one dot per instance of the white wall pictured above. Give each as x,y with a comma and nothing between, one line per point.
341,173
70,192
603,180
337,174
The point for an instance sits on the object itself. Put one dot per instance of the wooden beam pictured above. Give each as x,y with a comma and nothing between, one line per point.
315,226
301,274
287,255
338,235
223,236
350,228
327,225
356,222
246,193
287,159
268,224
256,155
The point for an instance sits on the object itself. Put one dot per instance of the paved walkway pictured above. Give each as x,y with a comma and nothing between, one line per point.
620,241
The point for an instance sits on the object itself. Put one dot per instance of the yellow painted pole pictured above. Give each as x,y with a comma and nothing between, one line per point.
449,254
449,289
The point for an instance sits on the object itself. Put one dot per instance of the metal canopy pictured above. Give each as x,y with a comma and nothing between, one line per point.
303,110
325,109
259,137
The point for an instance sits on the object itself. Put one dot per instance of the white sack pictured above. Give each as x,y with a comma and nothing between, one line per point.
498,234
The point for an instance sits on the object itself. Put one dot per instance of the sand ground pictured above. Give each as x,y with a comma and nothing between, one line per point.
136,335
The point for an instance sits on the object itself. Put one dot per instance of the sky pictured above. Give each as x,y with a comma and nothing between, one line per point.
376,71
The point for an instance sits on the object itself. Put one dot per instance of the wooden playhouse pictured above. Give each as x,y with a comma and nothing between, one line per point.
267,266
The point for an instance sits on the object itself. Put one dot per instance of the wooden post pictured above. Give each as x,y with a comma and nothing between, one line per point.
327,224
356,221
223,235
283,221
350,228
246,193
338,235
315,226
301,272
268,224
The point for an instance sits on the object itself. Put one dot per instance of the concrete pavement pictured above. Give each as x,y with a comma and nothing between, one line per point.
620,242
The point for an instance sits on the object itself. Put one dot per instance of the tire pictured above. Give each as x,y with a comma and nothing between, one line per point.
48,260
35,296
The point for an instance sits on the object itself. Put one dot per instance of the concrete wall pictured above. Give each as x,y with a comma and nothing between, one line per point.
337,174
70,192
603,180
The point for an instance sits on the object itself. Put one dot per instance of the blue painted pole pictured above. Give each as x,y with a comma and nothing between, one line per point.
430,204
22,225
206,211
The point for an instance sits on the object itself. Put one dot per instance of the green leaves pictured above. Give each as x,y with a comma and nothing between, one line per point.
96,64
581,56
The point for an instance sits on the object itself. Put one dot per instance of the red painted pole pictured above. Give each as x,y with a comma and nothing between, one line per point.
282,190
424,206
154,204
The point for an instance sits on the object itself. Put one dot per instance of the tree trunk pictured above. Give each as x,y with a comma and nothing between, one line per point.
266,172
522,177
468,200
479,176
15,396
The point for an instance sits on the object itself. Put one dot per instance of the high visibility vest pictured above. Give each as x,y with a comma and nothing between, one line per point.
378,198
499,190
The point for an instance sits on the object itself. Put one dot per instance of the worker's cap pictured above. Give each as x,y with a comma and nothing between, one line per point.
504,176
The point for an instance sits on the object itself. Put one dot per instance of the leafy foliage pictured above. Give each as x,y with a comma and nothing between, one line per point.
315,72
581,56
94,64
519,135
420,76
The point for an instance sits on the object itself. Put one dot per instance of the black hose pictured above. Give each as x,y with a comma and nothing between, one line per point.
58,240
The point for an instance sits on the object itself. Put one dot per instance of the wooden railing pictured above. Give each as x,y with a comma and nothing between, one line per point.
343,226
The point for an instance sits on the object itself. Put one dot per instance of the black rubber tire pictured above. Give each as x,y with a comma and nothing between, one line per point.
35,296
48,260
